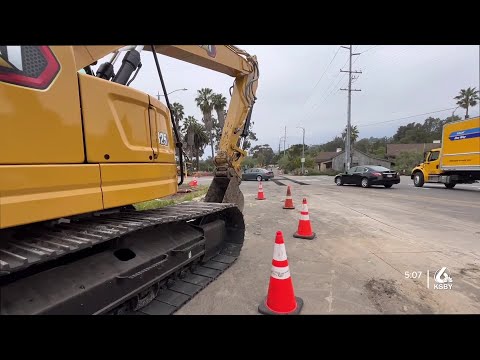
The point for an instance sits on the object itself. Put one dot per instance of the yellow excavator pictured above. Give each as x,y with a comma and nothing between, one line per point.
78,148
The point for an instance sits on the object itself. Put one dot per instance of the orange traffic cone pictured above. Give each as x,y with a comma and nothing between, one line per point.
288,200
304,227
281,299
194,182
260,195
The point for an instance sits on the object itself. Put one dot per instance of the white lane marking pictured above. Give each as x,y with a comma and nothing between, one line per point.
330,295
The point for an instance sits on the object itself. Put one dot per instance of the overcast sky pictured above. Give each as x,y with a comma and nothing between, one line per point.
296,88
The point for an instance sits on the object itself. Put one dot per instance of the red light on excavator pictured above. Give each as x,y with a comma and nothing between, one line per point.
29,66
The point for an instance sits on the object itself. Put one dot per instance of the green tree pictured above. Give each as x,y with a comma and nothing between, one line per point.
296,150
406,161
467,98
249,162
263,154
353,134
313,150
247,142
285,164
207,164
332,145
412,133
219,103
363,145
204,102
196,138
178,113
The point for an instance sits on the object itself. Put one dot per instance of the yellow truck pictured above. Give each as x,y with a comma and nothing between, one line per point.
458,159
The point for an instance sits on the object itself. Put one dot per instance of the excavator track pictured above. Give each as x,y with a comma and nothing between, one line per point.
180,291
130,262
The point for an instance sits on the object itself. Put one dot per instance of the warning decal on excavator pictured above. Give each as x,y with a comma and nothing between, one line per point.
29,66
211,50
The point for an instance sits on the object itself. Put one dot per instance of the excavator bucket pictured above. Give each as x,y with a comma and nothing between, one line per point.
225,190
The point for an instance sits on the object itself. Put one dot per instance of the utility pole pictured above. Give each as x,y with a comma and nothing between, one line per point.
348,156
284,139
303,149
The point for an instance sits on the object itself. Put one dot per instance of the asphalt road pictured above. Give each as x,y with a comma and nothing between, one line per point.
367,239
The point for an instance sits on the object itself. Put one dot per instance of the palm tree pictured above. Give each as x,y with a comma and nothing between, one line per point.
353,134
204,102
467,98
219,102
196,137
177,110
190,120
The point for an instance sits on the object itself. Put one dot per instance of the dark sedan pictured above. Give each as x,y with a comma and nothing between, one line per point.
257,174
368,175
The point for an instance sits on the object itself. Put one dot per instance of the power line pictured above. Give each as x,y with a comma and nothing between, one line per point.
408,117
321,77
326,92
328,87
325,96
335,87
370,48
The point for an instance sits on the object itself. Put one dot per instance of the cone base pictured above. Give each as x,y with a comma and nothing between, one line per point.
289,208
265,310
261,198
310,237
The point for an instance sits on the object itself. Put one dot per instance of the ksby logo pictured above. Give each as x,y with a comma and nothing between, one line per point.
443,280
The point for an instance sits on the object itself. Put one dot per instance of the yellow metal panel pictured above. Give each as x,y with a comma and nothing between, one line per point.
431,167
85,55
161,126
223,60
31,193
124,184
461,144
116,122
43,126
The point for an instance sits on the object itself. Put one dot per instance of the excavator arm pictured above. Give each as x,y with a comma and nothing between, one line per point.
226,59
237,63
243,67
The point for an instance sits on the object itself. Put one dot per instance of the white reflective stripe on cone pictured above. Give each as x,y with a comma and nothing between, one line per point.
280,273
279,252
304,217
304,208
